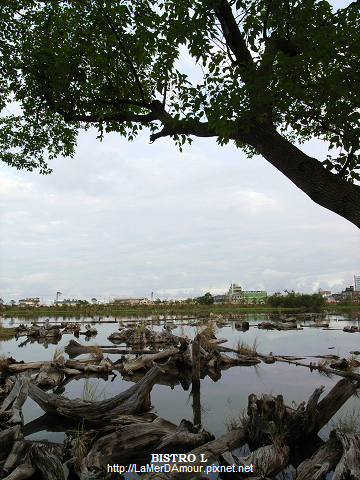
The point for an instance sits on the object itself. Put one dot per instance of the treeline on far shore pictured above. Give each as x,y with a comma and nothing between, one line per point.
278,302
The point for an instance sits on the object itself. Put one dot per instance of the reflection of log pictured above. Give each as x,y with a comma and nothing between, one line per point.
265,461
134,400
144,360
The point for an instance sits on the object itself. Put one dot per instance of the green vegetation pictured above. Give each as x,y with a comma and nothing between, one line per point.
244,348
91,391
311,302
206,299
287,73
349,422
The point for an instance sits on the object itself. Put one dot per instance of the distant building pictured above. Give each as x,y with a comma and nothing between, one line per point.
29,302
357,283
238,295
221,298
131,300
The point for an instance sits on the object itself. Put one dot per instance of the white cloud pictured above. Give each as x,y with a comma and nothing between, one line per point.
133,218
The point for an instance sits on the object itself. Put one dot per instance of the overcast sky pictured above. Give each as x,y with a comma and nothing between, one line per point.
128,219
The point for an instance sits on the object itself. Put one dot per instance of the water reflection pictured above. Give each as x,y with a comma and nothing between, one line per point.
176,396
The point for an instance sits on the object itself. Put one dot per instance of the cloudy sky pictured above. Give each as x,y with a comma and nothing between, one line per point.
128,219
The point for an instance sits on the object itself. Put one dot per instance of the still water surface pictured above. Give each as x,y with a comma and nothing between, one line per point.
220,398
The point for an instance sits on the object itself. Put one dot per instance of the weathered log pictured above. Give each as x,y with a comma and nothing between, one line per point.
349,465
105,365
16,455
20,455
215,359
47,464
143,360
330,404
49,375
22,367
136,399
129,444
16,398
210,451
23,471
7,438
75,348
264,462
269,414
185,437
321,463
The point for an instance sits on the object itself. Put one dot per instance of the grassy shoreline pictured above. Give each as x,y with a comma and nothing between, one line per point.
145,310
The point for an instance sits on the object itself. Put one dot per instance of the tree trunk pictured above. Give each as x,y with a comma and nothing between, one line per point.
135,399
323,187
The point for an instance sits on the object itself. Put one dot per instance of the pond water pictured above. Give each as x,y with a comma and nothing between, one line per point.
222,397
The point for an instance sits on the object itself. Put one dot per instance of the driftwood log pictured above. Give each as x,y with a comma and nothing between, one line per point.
16,399
349,465
134,400
210,451
136,442
321,463
269,415
266,461
143,360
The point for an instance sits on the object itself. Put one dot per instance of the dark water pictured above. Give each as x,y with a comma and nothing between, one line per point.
221,398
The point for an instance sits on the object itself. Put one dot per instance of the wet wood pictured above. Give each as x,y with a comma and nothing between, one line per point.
216,359
136,399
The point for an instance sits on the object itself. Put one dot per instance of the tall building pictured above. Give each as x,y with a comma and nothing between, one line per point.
237,294
357,283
